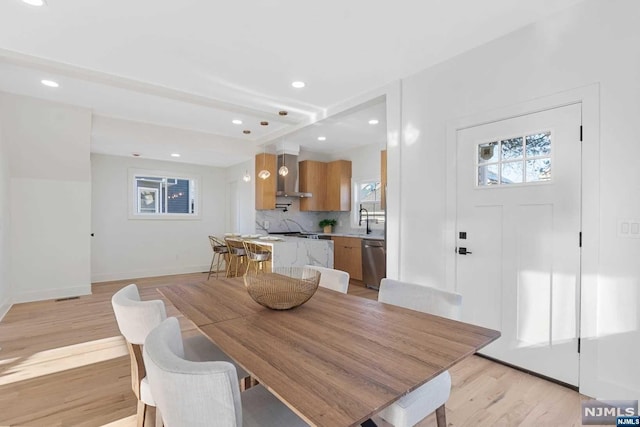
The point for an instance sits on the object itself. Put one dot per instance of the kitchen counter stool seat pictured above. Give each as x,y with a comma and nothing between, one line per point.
237,256
257,255
220,252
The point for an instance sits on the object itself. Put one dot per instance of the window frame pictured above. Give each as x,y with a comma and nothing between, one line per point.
133,195
355,202
524,159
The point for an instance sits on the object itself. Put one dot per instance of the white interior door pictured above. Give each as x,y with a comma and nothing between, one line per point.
518,220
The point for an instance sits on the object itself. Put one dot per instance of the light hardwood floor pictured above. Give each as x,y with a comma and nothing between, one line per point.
65,364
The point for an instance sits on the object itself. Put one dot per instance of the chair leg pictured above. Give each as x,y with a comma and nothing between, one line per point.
229,265
246,270
441,416
141,413
159,422
218,265
247,382
211,266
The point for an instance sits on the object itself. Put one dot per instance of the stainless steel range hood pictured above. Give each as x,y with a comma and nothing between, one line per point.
288,185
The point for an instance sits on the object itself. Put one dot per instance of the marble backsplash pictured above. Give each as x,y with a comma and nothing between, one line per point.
295,220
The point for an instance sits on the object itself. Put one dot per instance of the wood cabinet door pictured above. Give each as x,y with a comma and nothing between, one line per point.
339,186
313,179
265,188
348,256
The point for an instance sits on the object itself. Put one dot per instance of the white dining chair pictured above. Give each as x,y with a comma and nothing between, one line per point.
135,320
336,280
431,396
203,394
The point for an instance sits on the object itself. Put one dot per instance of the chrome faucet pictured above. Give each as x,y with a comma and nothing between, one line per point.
367,218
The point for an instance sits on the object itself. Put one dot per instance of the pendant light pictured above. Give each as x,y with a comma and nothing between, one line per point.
246,177
283,171
264,173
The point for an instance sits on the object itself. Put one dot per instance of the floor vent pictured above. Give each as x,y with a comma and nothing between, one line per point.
66,299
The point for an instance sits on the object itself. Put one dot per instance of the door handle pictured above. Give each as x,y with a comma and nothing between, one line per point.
464,251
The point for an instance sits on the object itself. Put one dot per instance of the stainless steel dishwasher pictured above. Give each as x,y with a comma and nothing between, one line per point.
374,262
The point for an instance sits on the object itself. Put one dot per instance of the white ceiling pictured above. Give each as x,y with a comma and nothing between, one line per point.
344,131
196,65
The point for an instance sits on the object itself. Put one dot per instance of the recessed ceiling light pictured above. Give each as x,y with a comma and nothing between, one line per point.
264,123
135,154
373,122
49,83
322,138
175,155
298,84
246,131
37,3
236,121
283,112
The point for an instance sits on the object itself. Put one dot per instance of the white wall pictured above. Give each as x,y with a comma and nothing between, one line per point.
244,207
365,161
48,150
127,248
5,247
593,42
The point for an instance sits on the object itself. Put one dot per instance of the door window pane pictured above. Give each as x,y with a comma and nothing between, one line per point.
512,148
538,170
488,152
488,175
539,144
512,173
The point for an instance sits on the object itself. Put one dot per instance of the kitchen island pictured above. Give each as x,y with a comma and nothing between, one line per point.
298,252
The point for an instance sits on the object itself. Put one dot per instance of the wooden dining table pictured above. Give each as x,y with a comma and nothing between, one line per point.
338,359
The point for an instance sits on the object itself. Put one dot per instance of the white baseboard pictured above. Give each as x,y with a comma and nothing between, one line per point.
5,306
46,294
109,277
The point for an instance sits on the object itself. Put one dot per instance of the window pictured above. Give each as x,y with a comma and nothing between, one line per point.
161,195
367,196
518,160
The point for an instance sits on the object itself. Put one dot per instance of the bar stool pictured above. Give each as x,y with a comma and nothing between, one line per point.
220,252
257,255
236,254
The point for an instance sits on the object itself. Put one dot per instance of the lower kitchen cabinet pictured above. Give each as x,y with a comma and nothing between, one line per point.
347,256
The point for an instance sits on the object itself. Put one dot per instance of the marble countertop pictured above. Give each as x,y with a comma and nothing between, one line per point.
284,239
290,251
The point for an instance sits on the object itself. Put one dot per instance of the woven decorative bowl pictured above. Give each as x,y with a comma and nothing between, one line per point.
285,288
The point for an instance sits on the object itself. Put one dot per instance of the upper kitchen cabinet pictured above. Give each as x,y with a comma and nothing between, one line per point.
266,188
313,178
339,186
330,184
